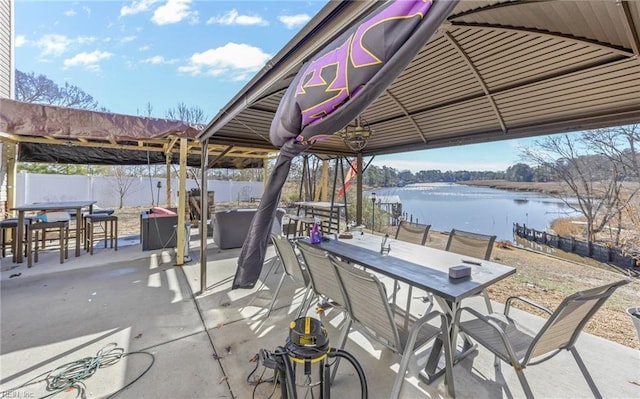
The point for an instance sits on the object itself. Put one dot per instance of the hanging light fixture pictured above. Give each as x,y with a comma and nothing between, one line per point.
356,134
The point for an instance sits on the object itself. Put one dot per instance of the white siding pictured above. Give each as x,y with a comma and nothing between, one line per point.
6,60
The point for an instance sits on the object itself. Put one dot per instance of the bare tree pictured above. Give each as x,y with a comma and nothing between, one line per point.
40,89
593,184
190,114
620,145
186,113
123,182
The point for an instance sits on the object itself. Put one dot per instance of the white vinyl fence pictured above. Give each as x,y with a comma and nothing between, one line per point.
141,191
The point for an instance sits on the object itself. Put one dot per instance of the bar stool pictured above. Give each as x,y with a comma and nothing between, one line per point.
8,227
109,225
34,230
85,227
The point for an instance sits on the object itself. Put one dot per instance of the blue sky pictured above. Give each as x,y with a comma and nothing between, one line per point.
128,54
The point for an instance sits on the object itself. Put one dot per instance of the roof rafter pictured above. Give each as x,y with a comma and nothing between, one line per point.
479,78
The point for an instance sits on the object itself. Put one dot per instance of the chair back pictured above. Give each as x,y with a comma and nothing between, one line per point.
367,303
416,233
324,280
287,254
470,244
568,320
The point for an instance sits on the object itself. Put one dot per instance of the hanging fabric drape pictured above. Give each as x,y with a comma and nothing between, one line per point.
330,91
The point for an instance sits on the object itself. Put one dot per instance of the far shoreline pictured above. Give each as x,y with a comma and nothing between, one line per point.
549,188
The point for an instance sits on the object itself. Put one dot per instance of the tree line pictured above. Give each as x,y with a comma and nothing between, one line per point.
598,170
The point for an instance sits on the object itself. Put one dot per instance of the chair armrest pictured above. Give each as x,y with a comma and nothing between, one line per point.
489,322
507,305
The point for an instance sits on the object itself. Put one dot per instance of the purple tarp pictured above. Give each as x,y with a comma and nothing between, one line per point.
330,91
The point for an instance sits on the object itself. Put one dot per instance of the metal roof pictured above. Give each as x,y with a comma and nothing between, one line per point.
495,70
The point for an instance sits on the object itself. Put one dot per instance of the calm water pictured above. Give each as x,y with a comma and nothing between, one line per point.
483,210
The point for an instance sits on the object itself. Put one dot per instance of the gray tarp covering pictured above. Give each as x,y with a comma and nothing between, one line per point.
330,91
27,119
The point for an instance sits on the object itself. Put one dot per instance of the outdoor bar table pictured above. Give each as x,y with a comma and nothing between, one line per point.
424,268
50,206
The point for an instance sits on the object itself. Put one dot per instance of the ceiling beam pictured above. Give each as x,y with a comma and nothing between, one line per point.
479,78
409,117
629,27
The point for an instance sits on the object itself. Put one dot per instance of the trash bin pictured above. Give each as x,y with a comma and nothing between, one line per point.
635,317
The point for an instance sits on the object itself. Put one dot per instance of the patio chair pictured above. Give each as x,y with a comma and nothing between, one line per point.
324,281
292,269
503,336
475,245
384,322
414,233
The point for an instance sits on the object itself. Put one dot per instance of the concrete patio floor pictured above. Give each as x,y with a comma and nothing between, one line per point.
203,343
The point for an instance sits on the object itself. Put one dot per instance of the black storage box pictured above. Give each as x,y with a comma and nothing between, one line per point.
157,231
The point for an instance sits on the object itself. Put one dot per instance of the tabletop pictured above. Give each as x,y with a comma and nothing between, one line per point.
419,266
46,206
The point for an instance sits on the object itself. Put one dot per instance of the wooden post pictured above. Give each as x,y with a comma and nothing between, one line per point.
168,182
12,167
182,194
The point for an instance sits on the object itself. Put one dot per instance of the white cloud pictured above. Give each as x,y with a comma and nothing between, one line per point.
128,39
70,13
146,47
85,39
53,44
88,60
158,59
233,60
293,21
20,41
234,18
87,10
174,11
137,7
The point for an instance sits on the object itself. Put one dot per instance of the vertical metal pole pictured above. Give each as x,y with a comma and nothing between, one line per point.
204,212
359,190
346,209
182,194
265,172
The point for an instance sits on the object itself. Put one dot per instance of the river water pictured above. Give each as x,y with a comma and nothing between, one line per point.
479,209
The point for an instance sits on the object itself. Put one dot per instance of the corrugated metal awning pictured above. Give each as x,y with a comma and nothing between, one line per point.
495,70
